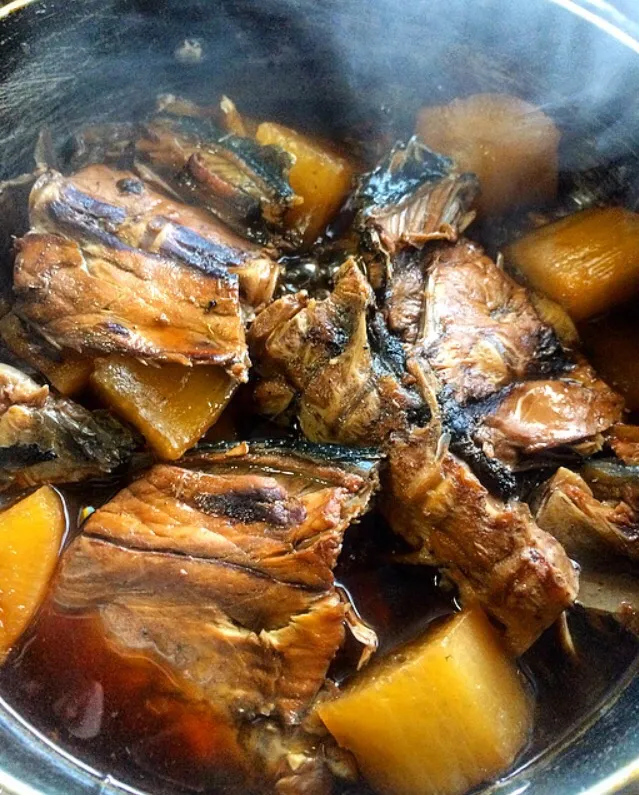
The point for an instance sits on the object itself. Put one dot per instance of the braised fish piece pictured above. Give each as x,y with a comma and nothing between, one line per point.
96,299
595,515
239,181
222,569
492,550
511,385
478,327
545,415
412,197
460,424
337,360
114,207
588,528
49,439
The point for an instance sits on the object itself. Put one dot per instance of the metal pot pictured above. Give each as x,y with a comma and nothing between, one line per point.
322,64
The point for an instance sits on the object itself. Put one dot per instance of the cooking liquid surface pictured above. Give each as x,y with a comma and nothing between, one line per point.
128,716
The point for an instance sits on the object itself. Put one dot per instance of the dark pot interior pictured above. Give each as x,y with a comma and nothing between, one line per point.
326,66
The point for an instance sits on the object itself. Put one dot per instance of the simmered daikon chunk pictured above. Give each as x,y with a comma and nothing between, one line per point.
31,533
319,175
170,404
68,371
438,716
587,262
509,144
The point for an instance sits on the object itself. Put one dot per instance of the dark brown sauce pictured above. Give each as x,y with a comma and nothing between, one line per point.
398,600
128,716
569,689
123,713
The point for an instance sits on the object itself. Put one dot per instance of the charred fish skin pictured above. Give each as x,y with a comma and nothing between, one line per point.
241,182
186,245
460,423
335,361
118,209
412,197
243,559
83,215
49,439
360,461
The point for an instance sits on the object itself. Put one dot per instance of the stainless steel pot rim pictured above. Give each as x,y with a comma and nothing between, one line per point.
599,13
14,5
